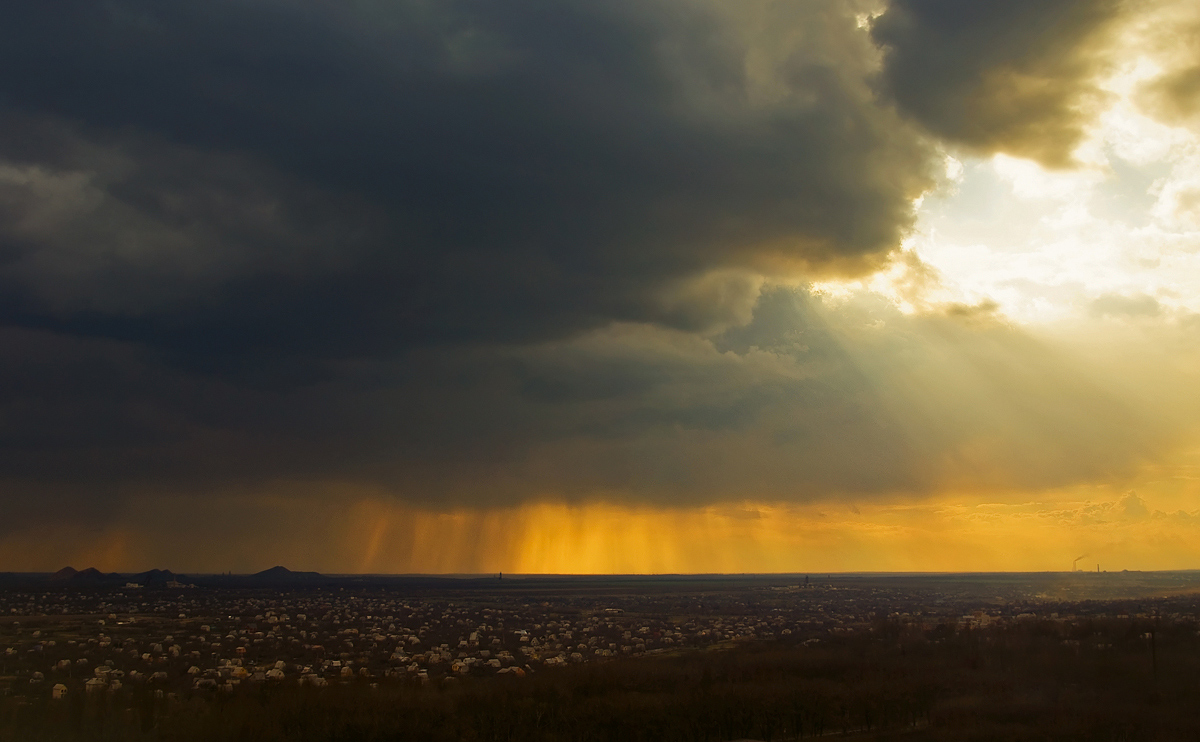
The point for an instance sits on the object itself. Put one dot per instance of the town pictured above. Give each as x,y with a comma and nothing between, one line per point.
179,639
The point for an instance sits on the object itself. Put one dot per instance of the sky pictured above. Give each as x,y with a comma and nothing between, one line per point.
584,286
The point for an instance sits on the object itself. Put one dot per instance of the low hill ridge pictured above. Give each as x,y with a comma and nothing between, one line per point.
65,573
285,574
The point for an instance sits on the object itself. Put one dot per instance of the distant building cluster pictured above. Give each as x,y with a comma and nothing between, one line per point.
220,641
207,640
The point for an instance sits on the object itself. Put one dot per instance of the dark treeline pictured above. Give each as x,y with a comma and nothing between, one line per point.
1083,680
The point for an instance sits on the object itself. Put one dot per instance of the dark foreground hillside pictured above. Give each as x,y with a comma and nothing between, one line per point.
1092,680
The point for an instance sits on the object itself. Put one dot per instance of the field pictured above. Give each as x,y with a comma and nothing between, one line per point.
776,657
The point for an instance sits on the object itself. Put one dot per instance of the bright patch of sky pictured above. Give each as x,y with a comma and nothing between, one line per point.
1120,234
1117,235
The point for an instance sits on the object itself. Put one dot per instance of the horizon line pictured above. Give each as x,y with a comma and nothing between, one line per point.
475,575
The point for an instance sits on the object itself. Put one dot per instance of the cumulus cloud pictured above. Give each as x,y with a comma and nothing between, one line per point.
469,253
540,168
1176,95
1169,39
305,240
1016,77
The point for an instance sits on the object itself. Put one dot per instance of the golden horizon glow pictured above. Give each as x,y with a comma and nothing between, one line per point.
1147,529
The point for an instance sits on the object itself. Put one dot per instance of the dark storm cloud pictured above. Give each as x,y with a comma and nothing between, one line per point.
801,402
543,166
469,252
1015,76
249,226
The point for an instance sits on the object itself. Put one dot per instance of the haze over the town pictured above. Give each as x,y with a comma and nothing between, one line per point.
566,286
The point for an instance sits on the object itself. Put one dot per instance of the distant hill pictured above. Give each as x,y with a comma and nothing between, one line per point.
283,574
89,576
273,578
64,574
155,577
71,577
